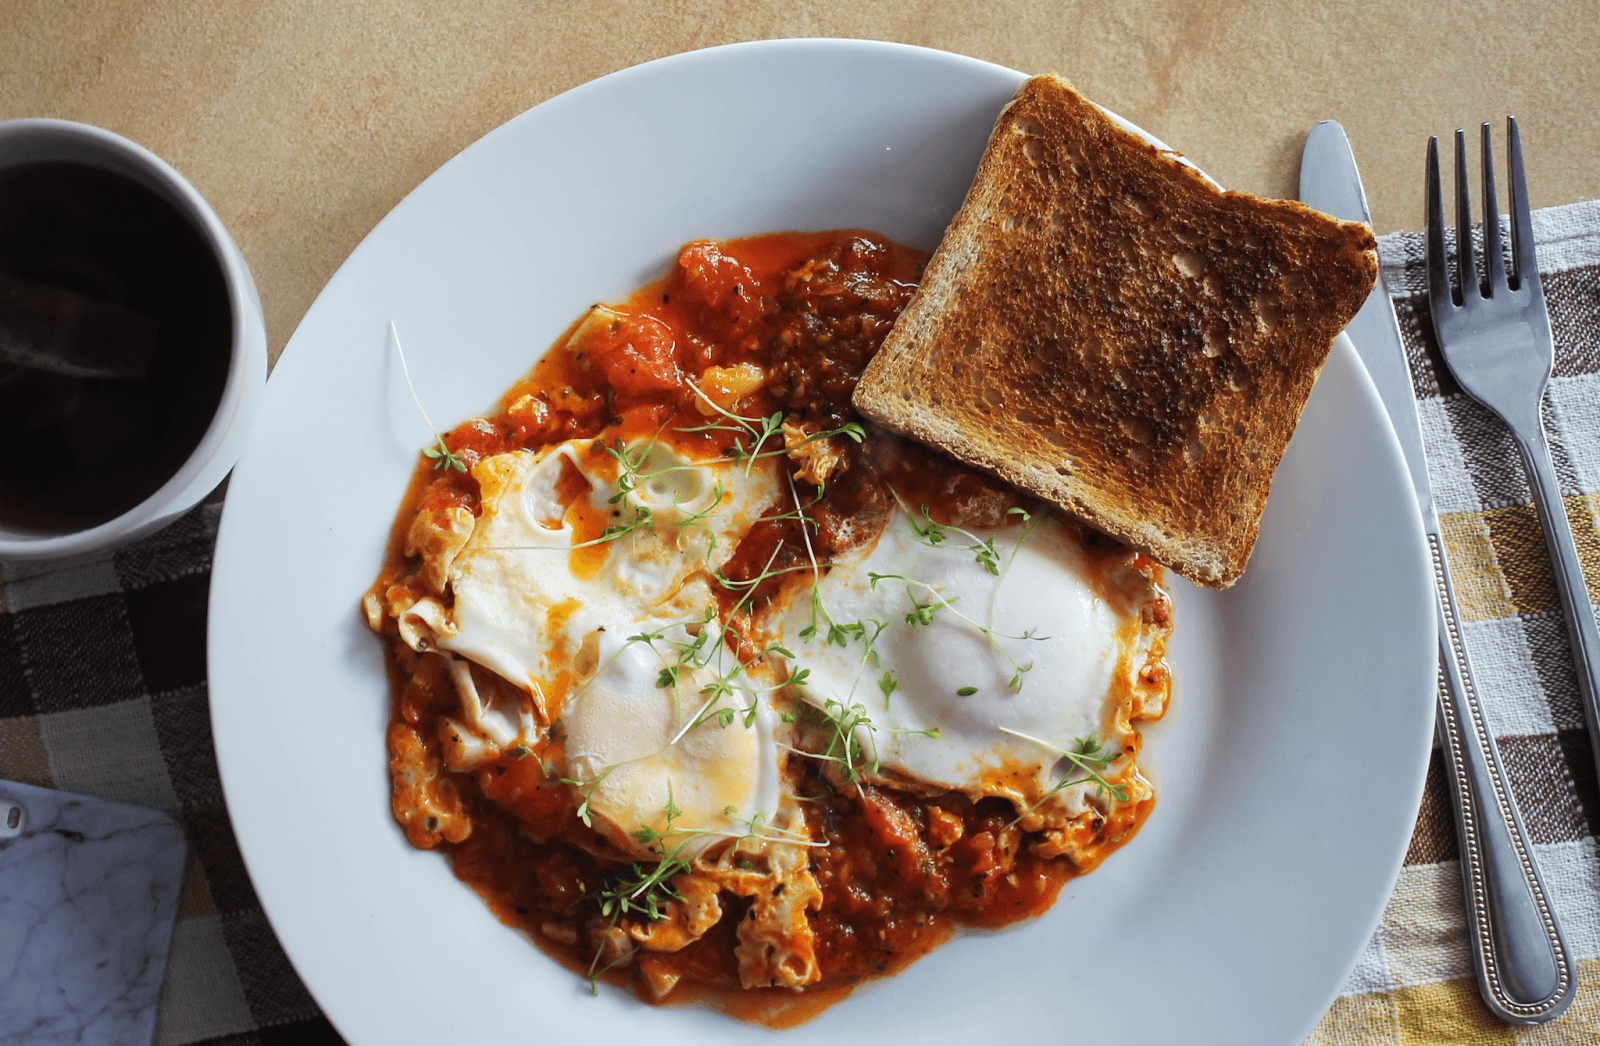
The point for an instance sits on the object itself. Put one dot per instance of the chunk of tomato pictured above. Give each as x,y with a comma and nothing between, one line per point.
637,356
721,282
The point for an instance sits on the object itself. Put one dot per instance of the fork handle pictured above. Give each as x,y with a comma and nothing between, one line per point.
1568,569
1525,971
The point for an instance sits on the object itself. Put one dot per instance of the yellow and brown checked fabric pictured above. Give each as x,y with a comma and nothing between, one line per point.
1415,985
103,691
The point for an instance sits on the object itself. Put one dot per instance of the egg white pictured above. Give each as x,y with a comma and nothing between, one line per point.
589,647
1018,655
652,766
1034,647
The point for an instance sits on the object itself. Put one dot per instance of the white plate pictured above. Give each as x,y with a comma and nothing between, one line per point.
1289,768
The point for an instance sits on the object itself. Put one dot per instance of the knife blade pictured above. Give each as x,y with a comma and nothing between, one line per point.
1330,182
1525,971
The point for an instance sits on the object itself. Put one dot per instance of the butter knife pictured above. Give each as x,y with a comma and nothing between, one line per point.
1525,970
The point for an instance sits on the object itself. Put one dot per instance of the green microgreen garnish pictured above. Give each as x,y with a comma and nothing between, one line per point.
760,430
586,792
888,685
935,534
443,457
846,722
1088,756
922,614
645,890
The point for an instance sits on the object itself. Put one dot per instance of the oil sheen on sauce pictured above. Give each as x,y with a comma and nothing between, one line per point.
902,871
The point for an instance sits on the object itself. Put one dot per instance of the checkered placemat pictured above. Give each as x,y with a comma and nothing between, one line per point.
1415,983
103,691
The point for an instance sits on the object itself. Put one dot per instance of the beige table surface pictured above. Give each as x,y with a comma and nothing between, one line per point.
304,123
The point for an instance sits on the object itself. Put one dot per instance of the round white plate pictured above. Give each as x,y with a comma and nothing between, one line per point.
1289,768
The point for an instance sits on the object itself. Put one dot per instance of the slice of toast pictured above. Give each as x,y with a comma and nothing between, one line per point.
1104,328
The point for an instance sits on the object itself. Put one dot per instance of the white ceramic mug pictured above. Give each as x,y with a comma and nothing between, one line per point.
43,141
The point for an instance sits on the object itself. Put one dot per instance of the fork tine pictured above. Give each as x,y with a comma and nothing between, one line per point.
1521,222
1466,271
1494,263
1438,263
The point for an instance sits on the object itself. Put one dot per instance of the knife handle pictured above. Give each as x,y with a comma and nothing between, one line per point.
1525,970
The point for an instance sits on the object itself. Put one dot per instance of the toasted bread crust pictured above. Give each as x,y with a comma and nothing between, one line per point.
1104,328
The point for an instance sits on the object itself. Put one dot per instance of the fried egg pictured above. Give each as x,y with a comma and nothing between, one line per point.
958,661
583,622
974,662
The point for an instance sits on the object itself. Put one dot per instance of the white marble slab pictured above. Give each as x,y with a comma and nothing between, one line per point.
88,892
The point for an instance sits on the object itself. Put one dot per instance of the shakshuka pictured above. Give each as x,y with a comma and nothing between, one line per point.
715,690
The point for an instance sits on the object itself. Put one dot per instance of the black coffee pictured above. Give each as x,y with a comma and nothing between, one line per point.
77,451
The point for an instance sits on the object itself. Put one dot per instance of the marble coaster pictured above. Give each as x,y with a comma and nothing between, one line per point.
88,892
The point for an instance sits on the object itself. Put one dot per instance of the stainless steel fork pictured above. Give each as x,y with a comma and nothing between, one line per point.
1494,333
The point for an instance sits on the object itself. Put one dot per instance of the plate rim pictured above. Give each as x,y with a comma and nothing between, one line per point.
576,95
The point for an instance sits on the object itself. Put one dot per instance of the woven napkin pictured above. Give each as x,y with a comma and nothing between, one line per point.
103,691
1415,983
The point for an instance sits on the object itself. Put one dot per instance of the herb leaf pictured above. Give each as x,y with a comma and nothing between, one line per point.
444,457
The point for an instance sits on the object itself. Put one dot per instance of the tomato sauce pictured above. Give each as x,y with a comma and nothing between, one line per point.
901,870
